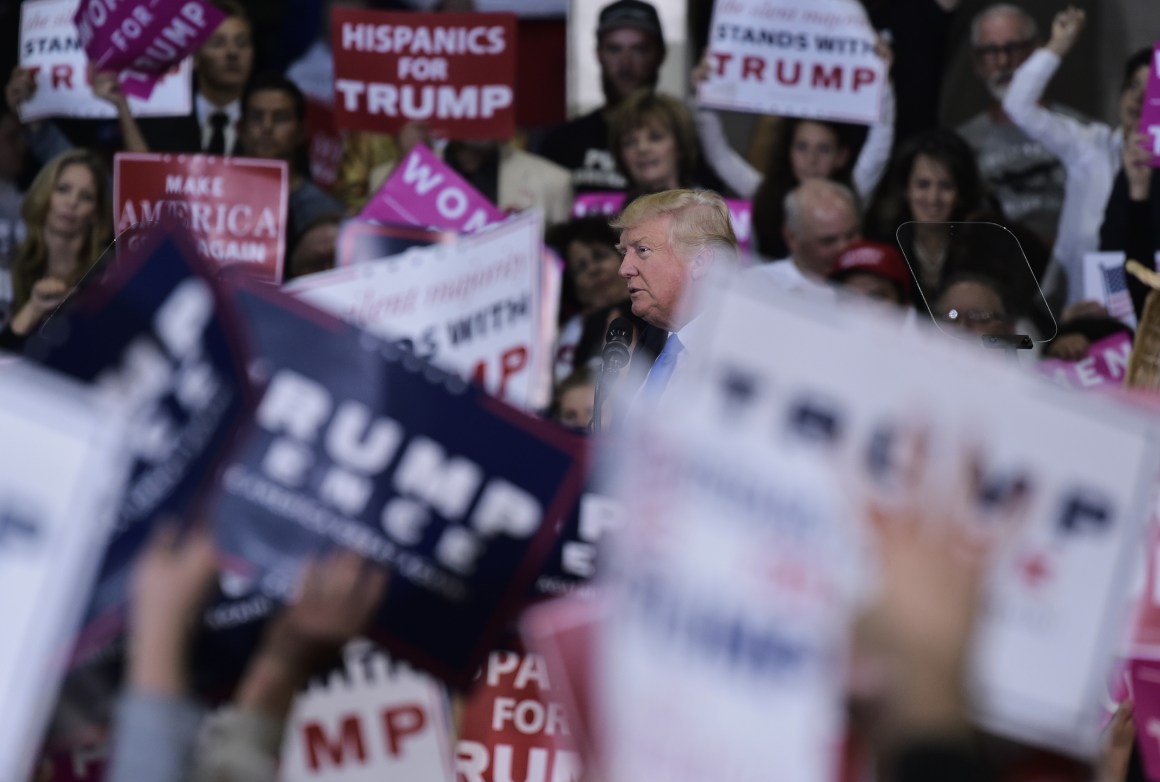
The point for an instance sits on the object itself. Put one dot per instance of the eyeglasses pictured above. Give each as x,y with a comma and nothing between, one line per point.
1009,50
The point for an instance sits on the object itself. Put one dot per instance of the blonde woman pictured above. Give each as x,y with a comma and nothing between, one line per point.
70,223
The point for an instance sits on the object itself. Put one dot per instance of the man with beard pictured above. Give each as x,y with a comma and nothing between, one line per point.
630,47
1026,178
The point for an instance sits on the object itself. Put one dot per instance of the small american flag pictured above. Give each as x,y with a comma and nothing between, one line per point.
1116,287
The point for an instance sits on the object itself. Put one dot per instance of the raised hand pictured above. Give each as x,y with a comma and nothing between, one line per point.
1065,30
47,294
107,86
171,582
21,87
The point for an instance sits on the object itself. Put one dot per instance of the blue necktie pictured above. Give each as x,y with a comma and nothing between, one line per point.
662,368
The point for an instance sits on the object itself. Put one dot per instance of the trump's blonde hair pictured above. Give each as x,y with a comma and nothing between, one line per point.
700,222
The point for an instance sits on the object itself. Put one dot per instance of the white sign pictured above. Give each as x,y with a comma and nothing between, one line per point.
375,719
1055,596
483,306
798,58
731,594
50,46
63,466
1106,281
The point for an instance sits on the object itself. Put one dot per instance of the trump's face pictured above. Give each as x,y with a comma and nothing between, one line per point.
656,274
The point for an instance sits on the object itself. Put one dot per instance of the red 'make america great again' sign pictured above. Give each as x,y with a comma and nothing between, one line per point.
235,207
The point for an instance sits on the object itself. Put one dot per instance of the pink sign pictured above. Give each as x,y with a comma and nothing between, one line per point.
1146,713
1105,365
425,191
1150,111
609,203
143,40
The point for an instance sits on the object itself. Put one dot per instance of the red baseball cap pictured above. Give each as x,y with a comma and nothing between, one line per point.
874,258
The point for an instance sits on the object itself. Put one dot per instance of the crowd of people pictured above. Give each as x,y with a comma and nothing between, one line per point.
979,230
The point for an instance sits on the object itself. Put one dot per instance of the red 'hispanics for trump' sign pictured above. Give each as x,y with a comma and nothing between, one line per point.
453,71
235,207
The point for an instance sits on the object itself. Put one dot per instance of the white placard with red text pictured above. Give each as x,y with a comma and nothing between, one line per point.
51,47
63,465
375,719
482,306
235,207
1055,602
797,58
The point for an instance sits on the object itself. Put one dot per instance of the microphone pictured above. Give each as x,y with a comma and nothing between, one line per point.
615,355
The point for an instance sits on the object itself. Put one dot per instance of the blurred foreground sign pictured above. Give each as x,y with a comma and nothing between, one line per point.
153,331
62,467
374,719
728,501
483,306
359,443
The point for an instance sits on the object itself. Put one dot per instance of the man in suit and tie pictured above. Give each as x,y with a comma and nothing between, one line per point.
222,68
669,241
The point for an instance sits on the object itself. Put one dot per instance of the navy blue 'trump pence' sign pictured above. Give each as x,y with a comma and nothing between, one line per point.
360,444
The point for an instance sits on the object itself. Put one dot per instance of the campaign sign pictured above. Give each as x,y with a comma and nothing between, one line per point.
325,143
359,241
1145,683
374,719
515,724
455,72
796,58
609,203
729,599
63,465
153,332
234,207
360,443
425,191
1104,366
1105,281
478,306
142,41
573,561
50,47
1084,465
1150,110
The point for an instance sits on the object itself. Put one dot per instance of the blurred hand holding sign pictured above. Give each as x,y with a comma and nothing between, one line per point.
50,47
456,72
740,454
797,58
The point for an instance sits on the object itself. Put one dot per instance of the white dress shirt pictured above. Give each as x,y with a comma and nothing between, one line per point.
786,275
205,110
1090,153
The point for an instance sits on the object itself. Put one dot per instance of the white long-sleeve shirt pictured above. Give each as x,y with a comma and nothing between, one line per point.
744,179
1090,153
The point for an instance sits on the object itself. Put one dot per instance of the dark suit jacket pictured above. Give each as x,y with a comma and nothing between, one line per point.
177,134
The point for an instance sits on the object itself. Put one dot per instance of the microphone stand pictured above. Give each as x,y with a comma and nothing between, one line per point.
609,372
